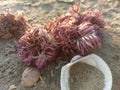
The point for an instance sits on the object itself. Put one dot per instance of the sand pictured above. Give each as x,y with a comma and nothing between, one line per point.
41,11
85,77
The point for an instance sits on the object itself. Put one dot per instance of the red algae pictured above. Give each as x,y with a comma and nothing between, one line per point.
77,32
12,23
73,33
36,47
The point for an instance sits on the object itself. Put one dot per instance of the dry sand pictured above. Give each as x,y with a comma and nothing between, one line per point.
85,77
41,11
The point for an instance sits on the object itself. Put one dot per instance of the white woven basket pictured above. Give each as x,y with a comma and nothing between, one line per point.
92,60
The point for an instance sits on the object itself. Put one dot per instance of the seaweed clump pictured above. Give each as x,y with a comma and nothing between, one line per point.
77,32
12,23
72,33
37,47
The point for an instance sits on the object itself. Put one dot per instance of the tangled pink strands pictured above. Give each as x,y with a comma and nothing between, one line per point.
36,48
95,17
70,34
12,23
90,38
77,32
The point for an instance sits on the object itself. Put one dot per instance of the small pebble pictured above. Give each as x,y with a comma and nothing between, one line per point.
12,87
69,1
30,76
82,1
109,0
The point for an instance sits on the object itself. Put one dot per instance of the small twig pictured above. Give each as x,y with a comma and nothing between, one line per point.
52,74
43,81
66,1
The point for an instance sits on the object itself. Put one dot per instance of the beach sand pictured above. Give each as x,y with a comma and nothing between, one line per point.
41,11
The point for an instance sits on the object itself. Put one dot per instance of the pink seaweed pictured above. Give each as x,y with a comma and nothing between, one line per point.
36,47
72,33
76,27
12,23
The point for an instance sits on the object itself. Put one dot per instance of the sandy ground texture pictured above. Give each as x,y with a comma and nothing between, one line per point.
41,11
85,77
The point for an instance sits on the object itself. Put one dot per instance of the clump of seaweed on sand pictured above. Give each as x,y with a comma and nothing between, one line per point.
13,23
77,32
72,33
37,47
